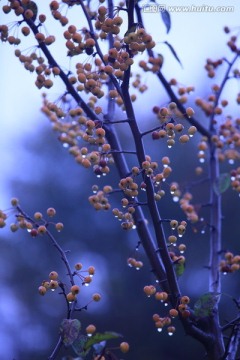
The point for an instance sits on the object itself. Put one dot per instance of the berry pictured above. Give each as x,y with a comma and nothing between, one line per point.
90,329
78,266
96,297
71,297
51,212
59,227
75,289
124,347
42,290
53,275
173,313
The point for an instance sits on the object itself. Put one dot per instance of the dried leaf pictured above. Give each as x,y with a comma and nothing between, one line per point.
69,330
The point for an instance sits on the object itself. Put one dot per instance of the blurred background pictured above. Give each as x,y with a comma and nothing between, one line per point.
37,169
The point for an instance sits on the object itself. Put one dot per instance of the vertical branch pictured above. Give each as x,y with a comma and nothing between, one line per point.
155,216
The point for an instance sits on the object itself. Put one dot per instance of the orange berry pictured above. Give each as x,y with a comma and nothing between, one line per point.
53,285
75,289
96,297
59,227
91,270
42,290
71,297
78,266
189,112
53,275
184,138
90,329
124,347
42,229
185,300
173,313
51,212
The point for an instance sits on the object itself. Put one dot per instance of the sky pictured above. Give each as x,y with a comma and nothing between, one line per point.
195,36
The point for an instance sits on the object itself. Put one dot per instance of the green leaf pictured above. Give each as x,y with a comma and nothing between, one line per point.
173,52
179,268
166,19
98,337
222,184
69,330
79,345
204,306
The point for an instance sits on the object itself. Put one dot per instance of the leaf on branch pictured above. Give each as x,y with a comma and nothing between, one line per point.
222,184
69,330
99,347
166,19
99,337
179,268
79,345
173,52
204,306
